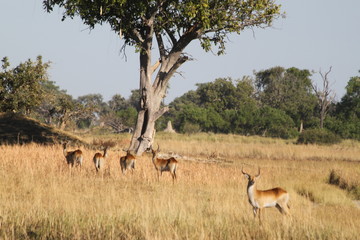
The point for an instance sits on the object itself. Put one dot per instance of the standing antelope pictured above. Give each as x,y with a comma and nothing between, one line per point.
164,165
99,160
275,197
127,162
73,157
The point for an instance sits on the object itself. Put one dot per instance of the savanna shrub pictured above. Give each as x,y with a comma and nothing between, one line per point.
191,128
318,136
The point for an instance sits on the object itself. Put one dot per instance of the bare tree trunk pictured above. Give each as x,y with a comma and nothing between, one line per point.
325,96
144,132
152,92
301,129
322,118
151,96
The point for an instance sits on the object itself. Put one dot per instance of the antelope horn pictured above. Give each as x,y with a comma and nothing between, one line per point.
258,172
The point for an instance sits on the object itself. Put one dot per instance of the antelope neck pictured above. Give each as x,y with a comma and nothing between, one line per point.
251,192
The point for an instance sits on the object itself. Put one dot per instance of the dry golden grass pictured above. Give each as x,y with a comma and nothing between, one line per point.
41,199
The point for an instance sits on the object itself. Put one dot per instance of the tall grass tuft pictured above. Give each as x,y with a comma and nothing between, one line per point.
350,183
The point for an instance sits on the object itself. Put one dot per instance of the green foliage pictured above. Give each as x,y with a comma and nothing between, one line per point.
348,112
229,106
191,128
275,123
127,116
117,103
21,87
219,95
92,105
346,128
119,113
289,90
209,21
213,106
318,136
134,99
349,106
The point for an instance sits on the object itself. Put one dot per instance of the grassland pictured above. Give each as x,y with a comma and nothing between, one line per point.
41,199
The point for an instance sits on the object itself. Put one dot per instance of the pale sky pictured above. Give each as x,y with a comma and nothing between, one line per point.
315,35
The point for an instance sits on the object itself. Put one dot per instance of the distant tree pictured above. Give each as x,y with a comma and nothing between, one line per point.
219,94
223,105
347,112
271,122
122,120
245,91
134,99
122,116
20,87
174,25
65,110
92,106
289,90
189,98
207,119
349,106
325,96
60,109
45,111
118,103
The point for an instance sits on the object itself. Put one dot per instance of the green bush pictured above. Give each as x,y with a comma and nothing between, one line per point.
272,122
191,128
318,136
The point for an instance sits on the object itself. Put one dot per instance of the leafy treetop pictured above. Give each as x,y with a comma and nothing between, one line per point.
177,20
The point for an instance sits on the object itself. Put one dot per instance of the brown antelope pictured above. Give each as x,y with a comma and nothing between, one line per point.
259,199
164,165
127,162
73,157
99,160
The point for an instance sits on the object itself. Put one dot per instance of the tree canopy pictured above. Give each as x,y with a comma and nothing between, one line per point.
179,21
289,90
20,87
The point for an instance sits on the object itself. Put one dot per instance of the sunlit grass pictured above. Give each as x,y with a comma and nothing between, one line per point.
41,199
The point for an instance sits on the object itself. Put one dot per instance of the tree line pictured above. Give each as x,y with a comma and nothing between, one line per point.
275,102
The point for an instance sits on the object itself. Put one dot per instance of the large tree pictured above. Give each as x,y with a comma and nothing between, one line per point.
174,24
21,87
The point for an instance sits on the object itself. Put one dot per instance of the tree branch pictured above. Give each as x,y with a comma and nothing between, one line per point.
155,66
137,36
171,36
161,112
161,45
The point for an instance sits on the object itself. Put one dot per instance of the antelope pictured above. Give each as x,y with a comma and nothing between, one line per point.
73,157
164,165
99,160
259,199
127,162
